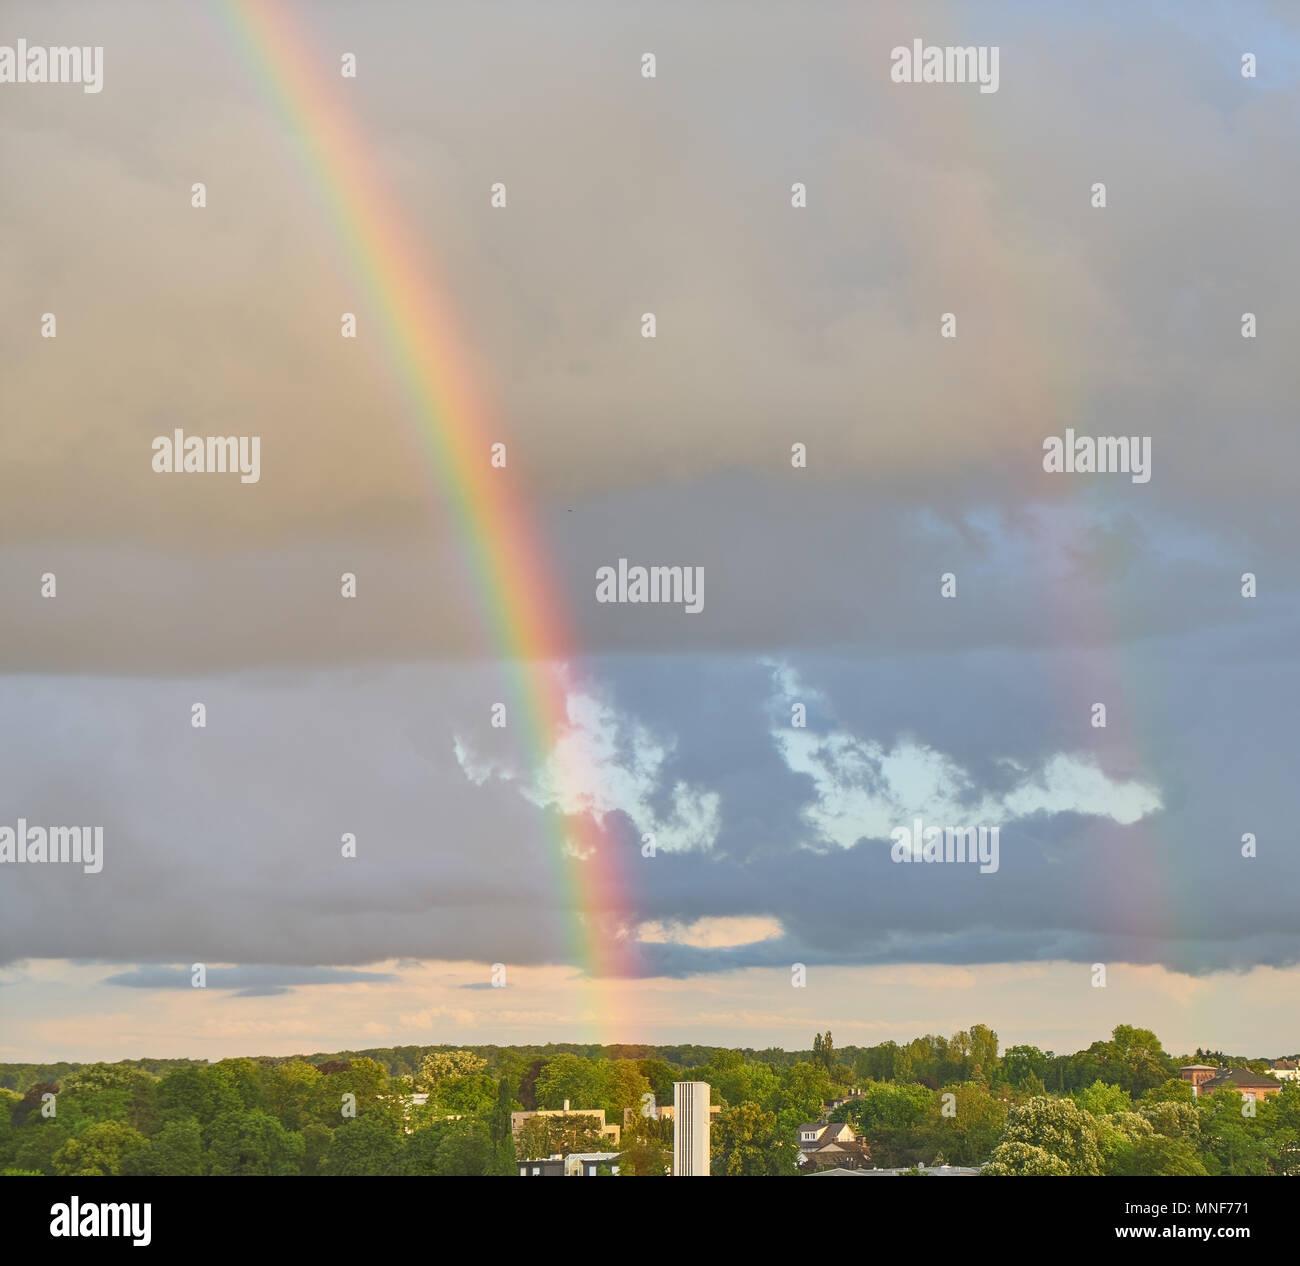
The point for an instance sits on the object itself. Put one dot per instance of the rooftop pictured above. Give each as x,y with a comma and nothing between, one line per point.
937,1171
1240,1077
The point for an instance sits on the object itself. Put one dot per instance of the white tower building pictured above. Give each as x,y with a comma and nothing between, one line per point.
690,1129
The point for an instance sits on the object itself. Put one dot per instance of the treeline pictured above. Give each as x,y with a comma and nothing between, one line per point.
405,1061
21,1077
1118,1107
1100,1129
929,1060
344,1116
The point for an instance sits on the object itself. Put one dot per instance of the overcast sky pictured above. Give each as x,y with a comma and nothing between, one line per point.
776,326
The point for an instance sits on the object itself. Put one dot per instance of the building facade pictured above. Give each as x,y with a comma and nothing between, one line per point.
610,1131
663,1112
1206,1080
690,1129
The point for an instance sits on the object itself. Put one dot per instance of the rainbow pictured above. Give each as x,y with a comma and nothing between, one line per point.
500,543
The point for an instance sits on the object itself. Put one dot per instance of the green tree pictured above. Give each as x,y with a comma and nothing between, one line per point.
468,1095
891,1119
1057,1126
440,1066
465,1150
877,1063
825,1053
198,1092
1133,1058
1284,1126
112,1092
176,1150
1171,1090
661,1076
1016,1159
363,1146
251,1142
1159,1156
1019,1062
745,1140
571,1077
625,1083
288,1089
1172,1119
1118,1136
1102,1099
98,1150
972,1127
315,1143
1231,1142
984,1062
499,1118
37,1143
542,1136
801,1090
644,1160
367,1084
245,1077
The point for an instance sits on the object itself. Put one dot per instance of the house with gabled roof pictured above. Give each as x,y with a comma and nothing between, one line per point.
817,1132
834,1154
1285,1069
1250,1085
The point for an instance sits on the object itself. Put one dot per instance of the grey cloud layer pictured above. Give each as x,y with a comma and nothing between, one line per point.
776,325
223,845
669,195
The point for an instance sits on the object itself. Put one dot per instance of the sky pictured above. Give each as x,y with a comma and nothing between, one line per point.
776,326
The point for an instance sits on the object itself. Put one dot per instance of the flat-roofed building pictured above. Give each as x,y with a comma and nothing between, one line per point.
589,1164
663,1112
1196,1074
610,1131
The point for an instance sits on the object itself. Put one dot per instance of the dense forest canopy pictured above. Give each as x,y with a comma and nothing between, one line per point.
1117,1107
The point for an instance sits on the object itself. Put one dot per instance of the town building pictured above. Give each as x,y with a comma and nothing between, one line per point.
935,1171
1251,1085
588,1164
1285,1069
826,1131
610,1131
1197,1074
549,1167
830,1105
690,1129
830,1145
664,1112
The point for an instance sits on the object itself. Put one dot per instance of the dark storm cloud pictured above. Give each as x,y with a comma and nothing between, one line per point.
223,845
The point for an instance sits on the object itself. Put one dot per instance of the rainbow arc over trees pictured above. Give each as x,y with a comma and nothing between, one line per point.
519,599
